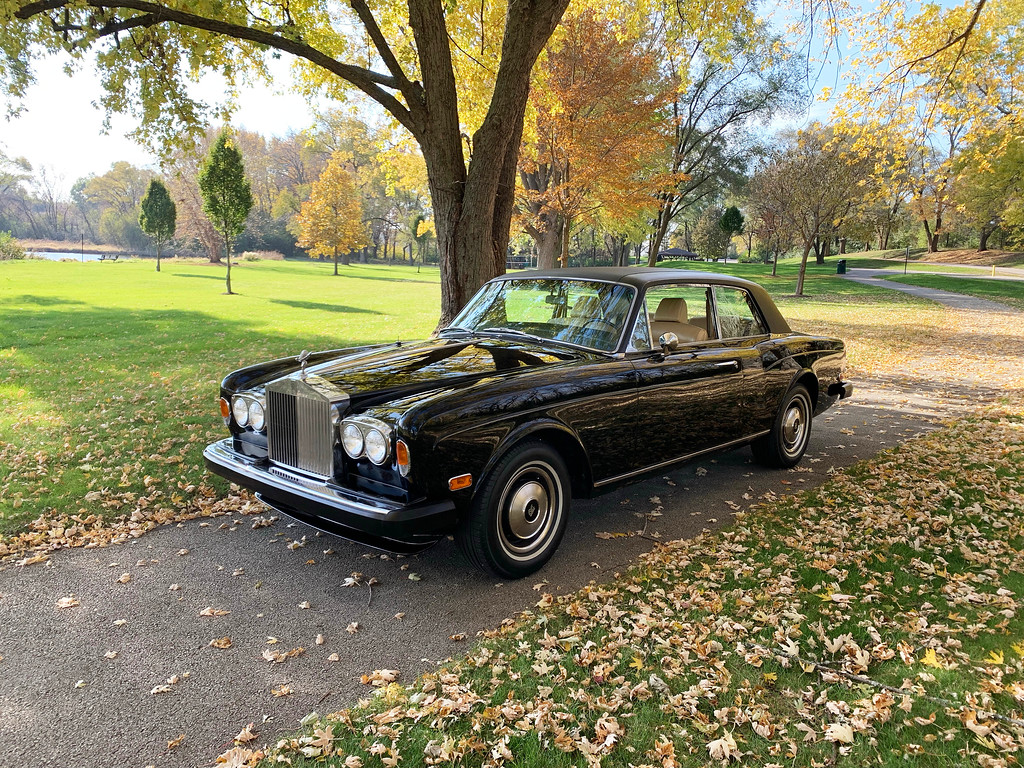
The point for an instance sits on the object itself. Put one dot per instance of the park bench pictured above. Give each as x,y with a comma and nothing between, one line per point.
108,257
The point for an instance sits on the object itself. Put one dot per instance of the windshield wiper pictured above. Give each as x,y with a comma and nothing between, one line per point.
454,329
514,332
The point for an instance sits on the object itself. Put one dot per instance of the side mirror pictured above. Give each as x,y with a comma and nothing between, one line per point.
669,341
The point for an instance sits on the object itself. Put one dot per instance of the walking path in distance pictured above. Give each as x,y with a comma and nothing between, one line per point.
876,277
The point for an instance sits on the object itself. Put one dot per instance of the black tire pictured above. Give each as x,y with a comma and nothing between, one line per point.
787,442
519,512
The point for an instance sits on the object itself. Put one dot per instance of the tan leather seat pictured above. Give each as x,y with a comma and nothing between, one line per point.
671,317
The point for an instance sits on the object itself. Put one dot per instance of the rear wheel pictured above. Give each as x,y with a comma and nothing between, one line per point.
519,513
787,442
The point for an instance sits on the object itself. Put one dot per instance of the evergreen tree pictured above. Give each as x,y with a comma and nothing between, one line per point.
732,221
157,215
227,196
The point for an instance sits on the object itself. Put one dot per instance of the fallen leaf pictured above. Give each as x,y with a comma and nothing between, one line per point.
68,602
210,611
124,578
221,642
247,734
172,743
352,628
236,757
839,732
380,677
282,690
724,749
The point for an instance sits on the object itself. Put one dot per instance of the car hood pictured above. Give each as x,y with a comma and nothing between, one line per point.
385,373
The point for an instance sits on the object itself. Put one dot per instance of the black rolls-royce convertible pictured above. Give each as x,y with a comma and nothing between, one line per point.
548,385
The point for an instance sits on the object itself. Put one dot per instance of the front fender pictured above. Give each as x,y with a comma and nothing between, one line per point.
476,451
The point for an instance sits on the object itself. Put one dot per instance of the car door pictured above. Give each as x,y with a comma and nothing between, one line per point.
702,394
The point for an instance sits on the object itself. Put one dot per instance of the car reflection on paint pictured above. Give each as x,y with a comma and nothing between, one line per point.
547,386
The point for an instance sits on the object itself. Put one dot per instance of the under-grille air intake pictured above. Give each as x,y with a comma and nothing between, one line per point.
299,431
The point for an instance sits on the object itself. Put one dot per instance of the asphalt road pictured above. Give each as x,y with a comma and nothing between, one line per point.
66,701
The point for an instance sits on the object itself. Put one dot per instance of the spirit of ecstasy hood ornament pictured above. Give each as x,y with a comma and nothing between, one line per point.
303,359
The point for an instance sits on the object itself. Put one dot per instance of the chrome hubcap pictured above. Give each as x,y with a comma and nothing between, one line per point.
529,510
794,426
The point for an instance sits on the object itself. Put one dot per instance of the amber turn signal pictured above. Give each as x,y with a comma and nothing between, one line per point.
225,409
402,458
460,482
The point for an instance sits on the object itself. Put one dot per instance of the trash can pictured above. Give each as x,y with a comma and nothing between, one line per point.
841,267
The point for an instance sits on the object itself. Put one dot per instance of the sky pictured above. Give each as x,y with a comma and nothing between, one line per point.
61,129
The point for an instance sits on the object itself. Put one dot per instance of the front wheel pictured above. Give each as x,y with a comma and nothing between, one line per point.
519,513
787,442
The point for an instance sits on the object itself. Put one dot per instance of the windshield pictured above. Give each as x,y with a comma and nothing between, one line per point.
582,312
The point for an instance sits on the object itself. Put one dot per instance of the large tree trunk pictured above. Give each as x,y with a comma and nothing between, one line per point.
473,206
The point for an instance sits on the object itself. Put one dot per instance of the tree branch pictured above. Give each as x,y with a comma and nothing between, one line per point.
366,80
412,92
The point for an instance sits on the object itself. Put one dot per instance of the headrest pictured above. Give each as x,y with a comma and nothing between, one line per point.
586,306
671,311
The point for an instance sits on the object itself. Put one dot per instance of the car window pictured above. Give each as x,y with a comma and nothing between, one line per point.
585,313
737,313
681,309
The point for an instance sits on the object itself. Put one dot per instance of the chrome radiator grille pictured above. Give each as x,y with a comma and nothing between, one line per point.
299,430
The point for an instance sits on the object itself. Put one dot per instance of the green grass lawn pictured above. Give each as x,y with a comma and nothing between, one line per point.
109,372
1009,292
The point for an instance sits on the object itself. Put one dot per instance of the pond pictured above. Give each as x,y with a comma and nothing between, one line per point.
59,255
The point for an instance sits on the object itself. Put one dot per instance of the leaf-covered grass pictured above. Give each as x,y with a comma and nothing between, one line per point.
1009,292
874,621
109,374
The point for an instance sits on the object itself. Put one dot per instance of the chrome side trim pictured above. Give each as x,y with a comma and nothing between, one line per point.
680,459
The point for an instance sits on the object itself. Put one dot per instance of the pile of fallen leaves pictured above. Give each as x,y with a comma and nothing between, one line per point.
875,619
54,531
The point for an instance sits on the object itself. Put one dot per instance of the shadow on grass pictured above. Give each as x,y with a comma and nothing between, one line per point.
357,271
324,307
199,277
39,301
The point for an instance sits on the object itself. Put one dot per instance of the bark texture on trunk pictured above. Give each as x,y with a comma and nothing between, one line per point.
473,205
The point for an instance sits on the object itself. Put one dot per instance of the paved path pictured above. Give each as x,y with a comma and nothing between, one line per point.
76,684
876,277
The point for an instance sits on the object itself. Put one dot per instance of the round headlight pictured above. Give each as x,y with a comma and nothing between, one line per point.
376,446
352,441
240,410
257,416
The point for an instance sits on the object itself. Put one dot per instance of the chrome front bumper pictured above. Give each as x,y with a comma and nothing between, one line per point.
378,522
